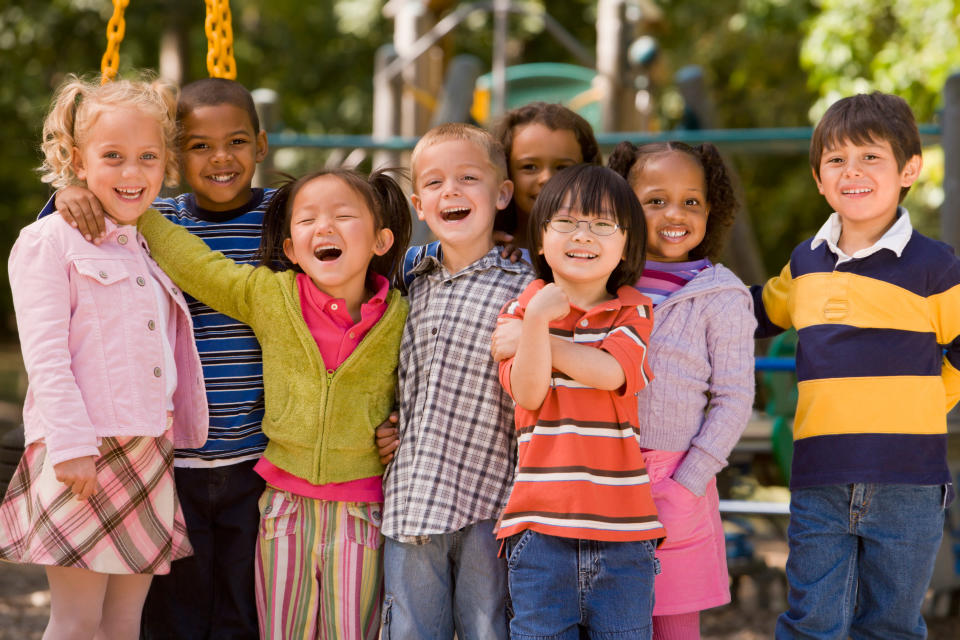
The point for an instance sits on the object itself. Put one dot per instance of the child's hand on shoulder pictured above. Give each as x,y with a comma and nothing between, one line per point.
548,304
510,250
505,338
82,210
79,475
387,438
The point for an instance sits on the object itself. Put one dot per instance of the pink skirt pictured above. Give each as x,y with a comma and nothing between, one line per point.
132,524
693,558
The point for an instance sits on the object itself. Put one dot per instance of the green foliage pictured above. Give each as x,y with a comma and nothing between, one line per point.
907,47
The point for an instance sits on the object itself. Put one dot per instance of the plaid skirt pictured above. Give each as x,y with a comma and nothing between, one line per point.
131,524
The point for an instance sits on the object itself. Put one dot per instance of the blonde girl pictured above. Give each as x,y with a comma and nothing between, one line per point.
114,376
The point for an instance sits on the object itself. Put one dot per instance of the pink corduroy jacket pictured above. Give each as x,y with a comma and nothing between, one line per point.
90,339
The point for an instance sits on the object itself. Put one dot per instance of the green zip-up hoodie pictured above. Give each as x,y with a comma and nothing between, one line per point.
320,425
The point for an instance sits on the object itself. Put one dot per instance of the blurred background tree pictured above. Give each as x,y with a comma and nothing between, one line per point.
768,63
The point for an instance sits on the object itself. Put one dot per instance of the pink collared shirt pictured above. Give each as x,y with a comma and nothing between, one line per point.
336,336
89,327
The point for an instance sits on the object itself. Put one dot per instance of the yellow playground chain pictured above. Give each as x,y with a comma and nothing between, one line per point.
220,62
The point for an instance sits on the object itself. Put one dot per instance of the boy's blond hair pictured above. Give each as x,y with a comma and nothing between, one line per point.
75,108
461,131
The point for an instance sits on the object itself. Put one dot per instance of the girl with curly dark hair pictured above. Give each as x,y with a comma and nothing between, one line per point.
701,352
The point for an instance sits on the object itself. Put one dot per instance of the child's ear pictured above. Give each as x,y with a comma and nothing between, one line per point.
817,180
262,146
77,163
505,194
911,171
417,206
288,250
384,241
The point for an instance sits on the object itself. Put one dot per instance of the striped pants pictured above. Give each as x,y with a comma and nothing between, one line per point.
319,568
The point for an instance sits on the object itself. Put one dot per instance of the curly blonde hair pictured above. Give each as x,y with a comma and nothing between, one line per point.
76,105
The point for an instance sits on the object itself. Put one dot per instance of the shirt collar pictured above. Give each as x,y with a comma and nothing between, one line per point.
895,239
491,259
375,282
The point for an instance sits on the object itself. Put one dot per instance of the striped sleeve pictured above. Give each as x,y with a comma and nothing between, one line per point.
944,308
770,304
628,343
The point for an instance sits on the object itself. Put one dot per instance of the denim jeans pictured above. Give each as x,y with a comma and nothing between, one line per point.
560,586
210,594
455,582
861,557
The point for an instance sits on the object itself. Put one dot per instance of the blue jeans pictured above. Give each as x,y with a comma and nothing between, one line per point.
455,582
559,586
861,557
210,594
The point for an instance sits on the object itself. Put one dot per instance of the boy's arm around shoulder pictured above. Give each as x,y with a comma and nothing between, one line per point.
205,274
729,321
771,304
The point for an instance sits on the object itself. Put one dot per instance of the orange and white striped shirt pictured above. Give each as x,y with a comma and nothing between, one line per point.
580,472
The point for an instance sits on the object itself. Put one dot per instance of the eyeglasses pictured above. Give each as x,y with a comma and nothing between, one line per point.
597,226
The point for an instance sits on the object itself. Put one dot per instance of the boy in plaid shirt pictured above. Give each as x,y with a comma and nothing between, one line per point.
452,472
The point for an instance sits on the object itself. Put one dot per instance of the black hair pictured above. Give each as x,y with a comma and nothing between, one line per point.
591,189
866,118
211,92
380,191
628,160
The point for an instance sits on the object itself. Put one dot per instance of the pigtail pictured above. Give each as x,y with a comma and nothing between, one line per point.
59,138
622,159
722,200
276,229
393,212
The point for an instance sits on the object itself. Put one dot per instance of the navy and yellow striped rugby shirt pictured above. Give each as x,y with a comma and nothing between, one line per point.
878,360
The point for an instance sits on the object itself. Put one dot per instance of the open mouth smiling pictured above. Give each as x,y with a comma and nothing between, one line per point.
327,253
454,214
222,178
128,193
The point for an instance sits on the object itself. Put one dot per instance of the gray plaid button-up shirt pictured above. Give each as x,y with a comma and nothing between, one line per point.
457,453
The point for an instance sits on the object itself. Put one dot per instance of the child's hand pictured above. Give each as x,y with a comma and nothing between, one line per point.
506,337
510,250
79,207
79,474
549,304
387,438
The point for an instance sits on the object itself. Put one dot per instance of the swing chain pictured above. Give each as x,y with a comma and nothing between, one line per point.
220,62
110,63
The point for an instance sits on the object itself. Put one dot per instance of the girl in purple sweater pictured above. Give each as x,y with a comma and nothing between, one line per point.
701,352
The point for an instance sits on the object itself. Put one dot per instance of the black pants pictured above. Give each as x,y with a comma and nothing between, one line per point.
210,595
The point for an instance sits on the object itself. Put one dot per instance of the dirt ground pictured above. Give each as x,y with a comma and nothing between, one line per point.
24,607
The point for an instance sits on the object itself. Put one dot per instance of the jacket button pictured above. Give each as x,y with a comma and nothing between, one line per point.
141,281
157,372
103,274
151,325
433,331
122,239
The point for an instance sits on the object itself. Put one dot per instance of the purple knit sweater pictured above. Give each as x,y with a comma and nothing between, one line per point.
701,352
